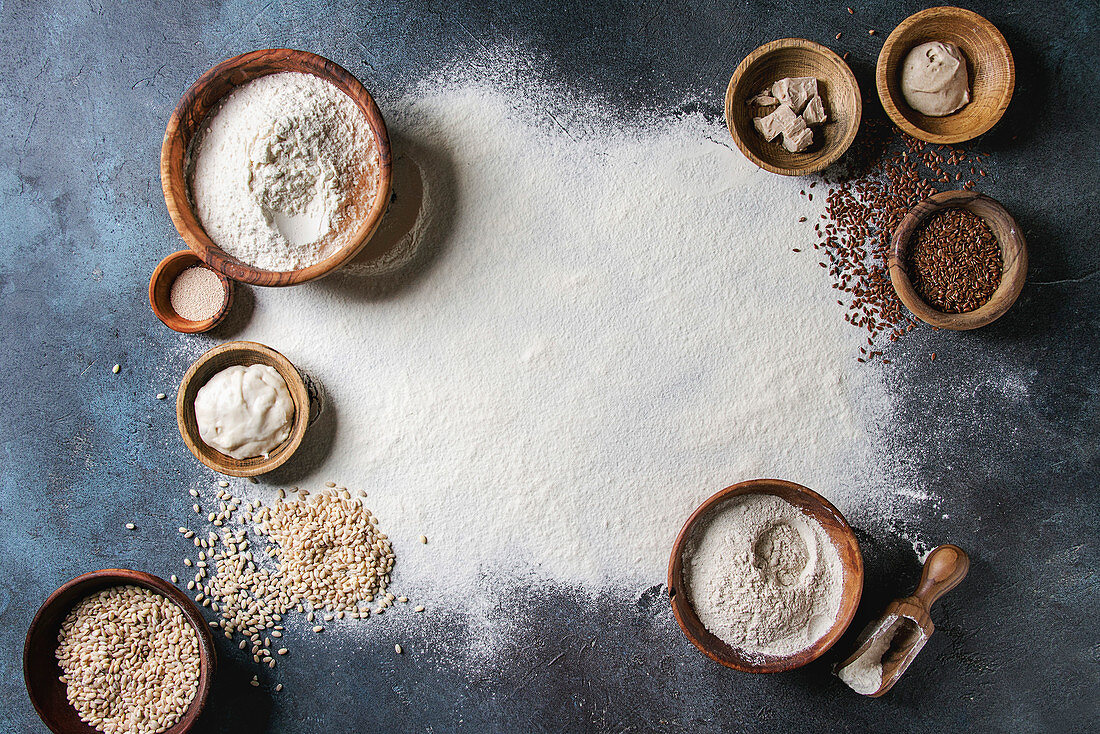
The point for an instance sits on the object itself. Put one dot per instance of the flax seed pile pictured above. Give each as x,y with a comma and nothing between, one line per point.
887,174
328,560
129,660
955,261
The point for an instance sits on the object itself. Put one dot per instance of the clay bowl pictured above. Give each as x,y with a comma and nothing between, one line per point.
40,668
214,361
835,527
790,57
160,293
204,96
989,65
1013,257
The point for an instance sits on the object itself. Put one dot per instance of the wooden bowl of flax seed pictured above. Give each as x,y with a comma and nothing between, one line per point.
971,310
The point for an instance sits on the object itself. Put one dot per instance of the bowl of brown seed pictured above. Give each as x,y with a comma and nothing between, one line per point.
958,260
118,651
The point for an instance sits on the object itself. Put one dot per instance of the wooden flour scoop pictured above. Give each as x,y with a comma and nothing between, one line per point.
885,649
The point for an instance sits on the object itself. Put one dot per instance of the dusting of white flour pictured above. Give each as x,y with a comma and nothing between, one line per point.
283,170
763,576
594,330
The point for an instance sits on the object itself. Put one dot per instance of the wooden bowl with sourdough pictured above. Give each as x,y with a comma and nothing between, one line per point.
213,362
1013,259
40,667
192,110
837,530
989,66
794,57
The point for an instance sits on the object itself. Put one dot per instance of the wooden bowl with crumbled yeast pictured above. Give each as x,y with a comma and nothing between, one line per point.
40,667
989,65
834,525
1013,260
203,97
794,57
242,353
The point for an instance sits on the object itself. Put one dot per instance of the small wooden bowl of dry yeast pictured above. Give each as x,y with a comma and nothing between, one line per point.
245,354
837,530
795,57
40,667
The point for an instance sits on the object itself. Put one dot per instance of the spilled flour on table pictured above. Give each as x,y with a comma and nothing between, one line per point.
584,333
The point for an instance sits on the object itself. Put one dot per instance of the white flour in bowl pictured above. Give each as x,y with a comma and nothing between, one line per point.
283,171
763,576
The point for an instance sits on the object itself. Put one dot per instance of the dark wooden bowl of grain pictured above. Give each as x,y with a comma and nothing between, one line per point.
989,65
1013,260
795,57
245,354
41,669
204,97
834,525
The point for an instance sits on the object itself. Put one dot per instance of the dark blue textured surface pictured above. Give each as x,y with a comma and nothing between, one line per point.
85,90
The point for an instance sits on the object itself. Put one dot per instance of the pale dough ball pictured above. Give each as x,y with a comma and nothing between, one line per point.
244,411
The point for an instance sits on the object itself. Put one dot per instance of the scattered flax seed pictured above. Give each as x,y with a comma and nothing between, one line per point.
933,357
838,36
116,369
871,32
851,12
279,687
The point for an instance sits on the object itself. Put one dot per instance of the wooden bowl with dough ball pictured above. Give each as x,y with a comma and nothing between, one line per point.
203,97
794,57
244,354
989,66
41,670
1013,260
835,527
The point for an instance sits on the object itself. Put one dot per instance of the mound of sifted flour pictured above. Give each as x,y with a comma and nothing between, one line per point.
283,170
763,576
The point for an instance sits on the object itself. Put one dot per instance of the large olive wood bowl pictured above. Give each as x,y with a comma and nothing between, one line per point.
989,65
211,363
204,96
40,668
791,57
1013,260
835,526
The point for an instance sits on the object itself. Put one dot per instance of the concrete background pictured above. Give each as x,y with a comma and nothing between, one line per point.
85,90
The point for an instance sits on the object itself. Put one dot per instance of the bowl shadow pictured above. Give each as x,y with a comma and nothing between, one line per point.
414,233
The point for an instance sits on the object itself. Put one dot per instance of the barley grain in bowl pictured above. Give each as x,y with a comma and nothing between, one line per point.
276,167
118,651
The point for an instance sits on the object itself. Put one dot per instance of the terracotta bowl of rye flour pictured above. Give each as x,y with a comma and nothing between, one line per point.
203,97
835,527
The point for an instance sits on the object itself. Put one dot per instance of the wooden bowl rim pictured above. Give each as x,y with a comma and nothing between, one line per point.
889,104
298,393
182,213
715,648
169,317
105,578
806,46
1012,280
